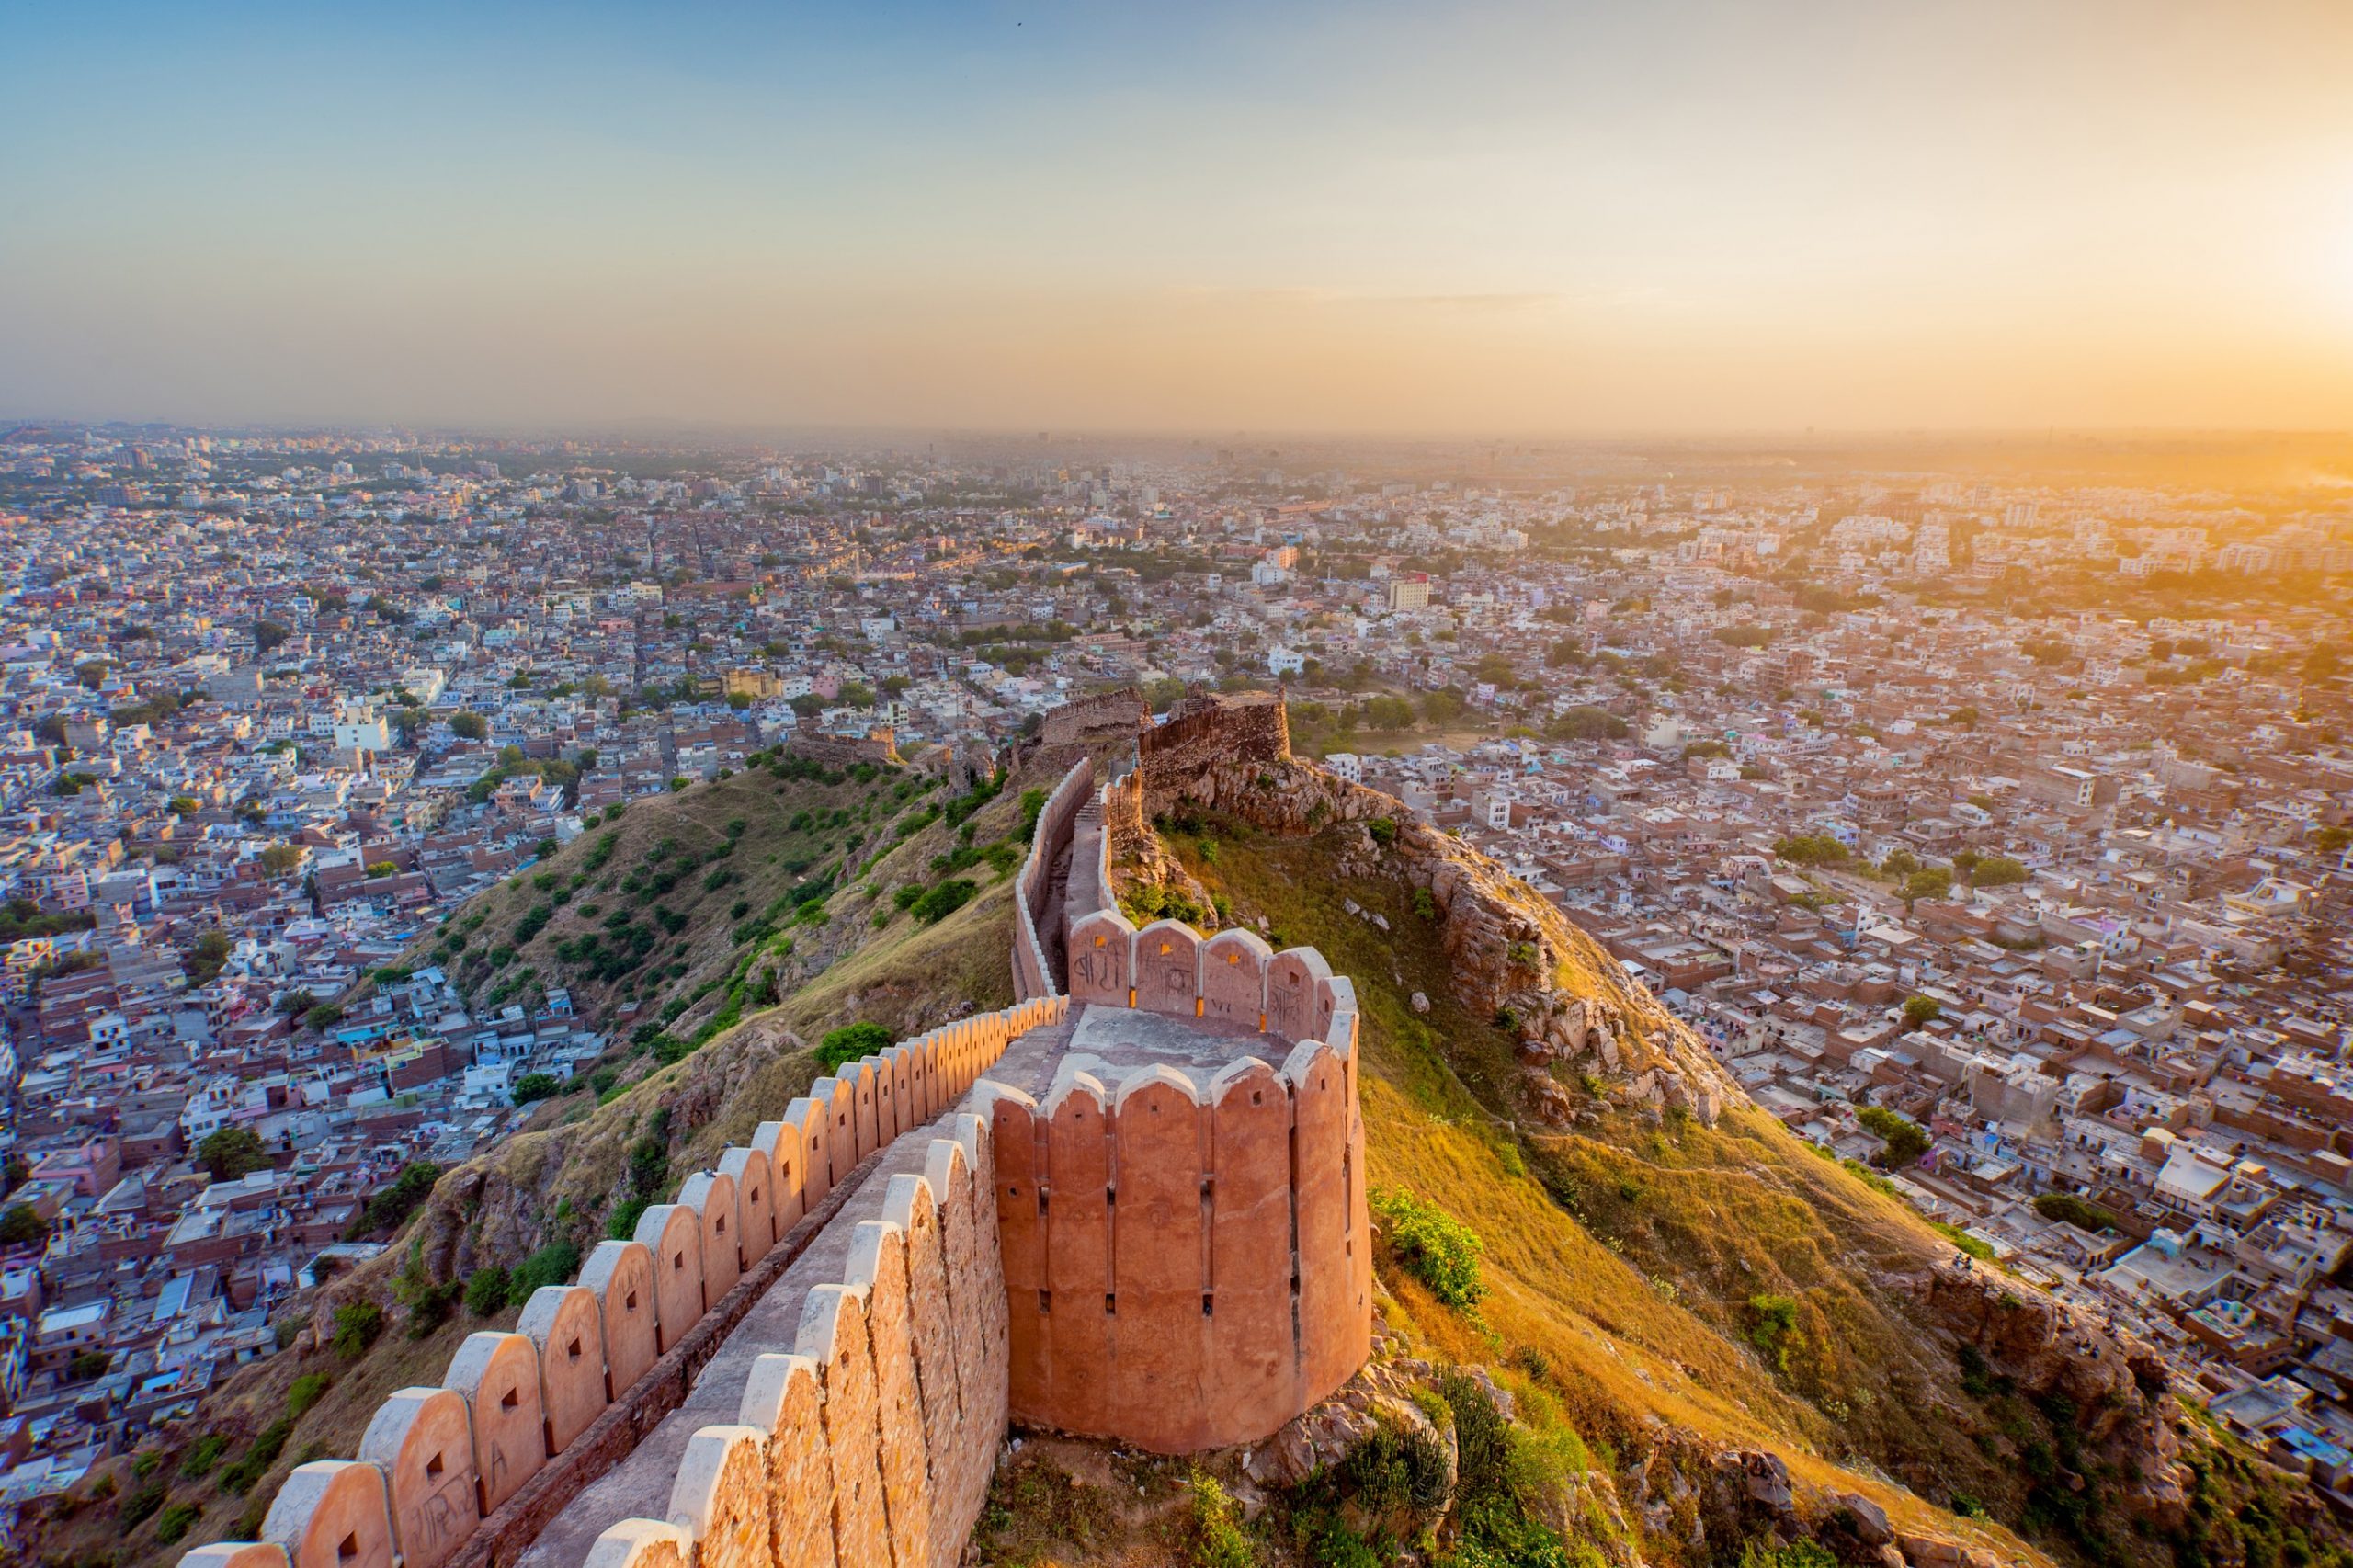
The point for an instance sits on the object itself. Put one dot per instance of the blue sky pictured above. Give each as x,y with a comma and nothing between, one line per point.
1494,218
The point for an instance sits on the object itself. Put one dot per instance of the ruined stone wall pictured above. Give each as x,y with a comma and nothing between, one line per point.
1033,976
906,1362
1123,824
1210,729
1186,1264
879,747
1106,715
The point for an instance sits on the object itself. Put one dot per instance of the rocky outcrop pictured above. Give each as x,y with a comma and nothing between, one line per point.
2113,1391
1510,954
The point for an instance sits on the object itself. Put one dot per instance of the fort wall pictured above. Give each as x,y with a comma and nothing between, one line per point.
466,1475
1178,1257
1033,974
1208,729
1106,715
1187,1263
879,747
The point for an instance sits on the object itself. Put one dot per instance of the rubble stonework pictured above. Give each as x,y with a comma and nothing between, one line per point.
879,745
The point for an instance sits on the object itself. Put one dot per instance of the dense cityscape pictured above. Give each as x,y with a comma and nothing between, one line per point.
1994,833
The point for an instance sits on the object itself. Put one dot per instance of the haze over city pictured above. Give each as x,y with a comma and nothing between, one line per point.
1484,219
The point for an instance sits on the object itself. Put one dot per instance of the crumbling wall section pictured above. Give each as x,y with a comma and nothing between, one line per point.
1207,729
879,747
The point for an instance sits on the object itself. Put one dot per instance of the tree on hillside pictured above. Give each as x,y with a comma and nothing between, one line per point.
1905,1140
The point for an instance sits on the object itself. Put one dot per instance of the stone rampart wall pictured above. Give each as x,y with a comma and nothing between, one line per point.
879,745
1123,824
1203,730
895,1386
1106,715
1033,976
1189,1265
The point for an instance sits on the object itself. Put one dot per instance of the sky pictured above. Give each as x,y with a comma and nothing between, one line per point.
1678,216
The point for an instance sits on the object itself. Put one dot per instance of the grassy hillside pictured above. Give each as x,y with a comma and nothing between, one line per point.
1659,1292
1644,1267
736,891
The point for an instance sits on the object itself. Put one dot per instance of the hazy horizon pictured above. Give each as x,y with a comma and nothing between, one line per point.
1503,222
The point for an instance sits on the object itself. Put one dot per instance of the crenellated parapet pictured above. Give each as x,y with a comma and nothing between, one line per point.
443,1473
1188,1243
1132,1206
1033,973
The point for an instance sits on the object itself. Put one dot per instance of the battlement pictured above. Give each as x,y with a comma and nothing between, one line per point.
1186,1248
472,1471
808,1360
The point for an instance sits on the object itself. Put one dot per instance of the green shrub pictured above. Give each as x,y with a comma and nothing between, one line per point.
1798,1553
1398,1468
1905,1140
554,1264
1214,1537
1982,1251
304,1393
944,899
142,1502
174,1521
387,1208
357,1324
1498,1485
203,1455
534,1087
1383,830
1332,1544
240,1477
486,1291
1434,1247
1773,1328
2073,1211
839,1048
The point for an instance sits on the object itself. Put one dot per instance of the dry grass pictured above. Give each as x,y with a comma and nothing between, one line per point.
1627,1256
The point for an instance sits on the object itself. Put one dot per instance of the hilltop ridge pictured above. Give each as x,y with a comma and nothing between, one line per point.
1703,1286
1746,1342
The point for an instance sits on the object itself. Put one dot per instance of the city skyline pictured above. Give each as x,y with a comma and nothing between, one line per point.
1701,220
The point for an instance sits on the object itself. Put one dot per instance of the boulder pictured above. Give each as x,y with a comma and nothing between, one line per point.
1867,1519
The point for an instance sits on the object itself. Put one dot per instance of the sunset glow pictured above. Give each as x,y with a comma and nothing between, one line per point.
1379,218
